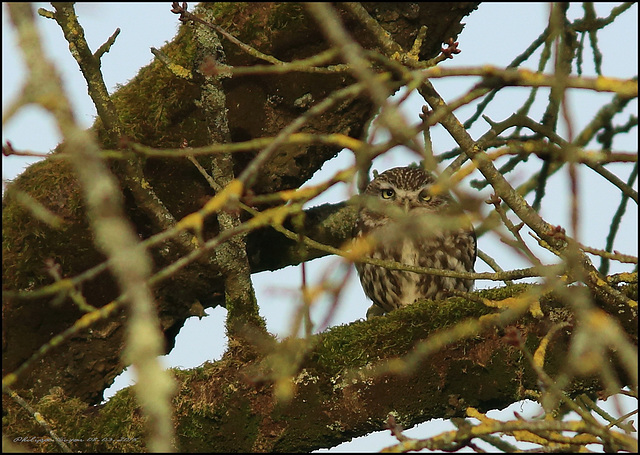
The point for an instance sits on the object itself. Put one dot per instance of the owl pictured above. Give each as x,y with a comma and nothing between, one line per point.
402,221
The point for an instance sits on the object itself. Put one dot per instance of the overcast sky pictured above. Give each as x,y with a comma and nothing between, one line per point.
495,34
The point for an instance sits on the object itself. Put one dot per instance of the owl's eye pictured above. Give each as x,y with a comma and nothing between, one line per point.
387,193
424,196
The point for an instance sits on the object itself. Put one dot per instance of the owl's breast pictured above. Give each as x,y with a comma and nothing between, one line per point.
409,282
396,288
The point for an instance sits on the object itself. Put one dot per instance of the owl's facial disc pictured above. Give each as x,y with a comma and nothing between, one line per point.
409,199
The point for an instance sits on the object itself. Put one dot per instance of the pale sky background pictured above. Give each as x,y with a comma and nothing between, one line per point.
494,34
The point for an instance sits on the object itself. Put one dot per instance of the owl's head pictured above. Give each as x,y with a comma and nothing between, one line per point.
407,188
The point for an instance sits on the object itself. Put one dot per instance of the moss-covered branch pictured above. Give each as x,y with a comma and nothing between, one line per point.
339,391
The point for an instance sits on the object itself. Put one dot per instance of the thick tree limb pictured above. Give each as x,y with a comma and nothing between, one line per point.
338,391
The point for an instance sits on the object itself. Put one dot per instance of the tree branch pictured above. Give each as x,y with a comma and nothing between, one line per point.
221,406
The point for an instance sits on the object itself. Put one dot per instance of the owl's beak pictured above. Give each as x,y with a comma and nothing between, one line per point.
406,205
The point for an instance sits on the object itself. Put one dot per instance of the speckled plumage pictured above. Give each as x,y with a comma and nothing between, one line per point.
405,223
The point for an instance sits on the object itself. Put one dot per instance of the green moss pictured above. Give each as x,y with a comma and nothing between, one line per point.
388,336
117,427
232,415
224,12
155,107
287,15
244,23
27,241
118,415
